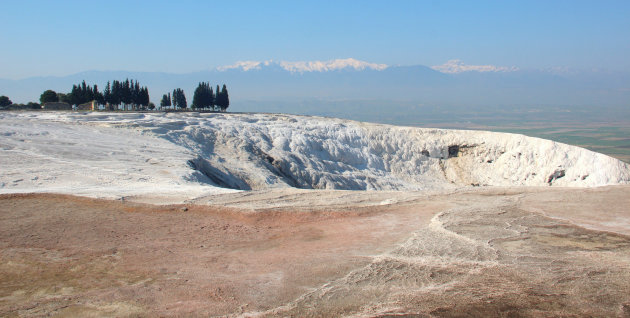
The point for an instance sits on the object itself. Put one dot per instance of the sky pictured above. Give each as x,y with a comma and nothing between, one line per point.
58,38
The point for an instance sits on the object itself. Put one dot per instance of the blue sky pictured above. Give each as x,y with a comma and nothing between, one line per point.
41,38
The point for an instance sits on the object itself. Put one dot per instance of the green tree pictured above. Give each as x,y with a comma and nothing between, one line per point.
211,98
137,94
74,98
225,99
165,102
203,97
63,98
126,94
217,98
179,98
98,96
82,93
197,97
145,97
182,100
107,94
48,96
5,101
116,96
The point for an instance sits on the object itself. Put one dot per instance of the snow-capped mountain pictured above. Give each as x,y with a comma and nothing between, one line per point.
458,66
306,66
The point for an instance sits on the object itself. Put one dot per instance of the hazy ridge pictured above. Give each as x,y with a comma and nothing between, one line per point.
418,83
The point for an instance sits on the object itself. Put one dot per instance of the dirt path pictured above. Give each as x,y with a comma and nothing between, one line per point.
64,254
482,253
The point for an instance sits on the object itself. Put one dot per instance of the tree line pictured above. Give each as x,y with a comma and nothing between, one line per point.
6,103
203,98
127,93
132,96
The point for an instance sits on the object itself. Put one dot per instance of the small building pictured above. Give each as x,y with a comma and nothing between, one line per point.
93,105
56,106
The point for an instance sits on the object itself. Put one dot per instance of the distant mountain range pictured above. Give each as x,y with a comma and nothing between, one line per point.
453,83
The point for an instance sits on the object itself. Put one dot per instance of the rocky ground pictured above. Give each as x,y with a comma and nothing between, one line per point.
475,252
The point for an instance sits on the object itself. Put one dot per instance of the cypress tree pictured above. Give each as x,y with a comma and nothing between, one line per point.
138,94
107,94
126,94
211,97
217,99
182,99
146,99
83,93
179,98
95,93
98,97
133,96
119,93
164,102
225,99
89,95
74,95
204,95
198,97
116,97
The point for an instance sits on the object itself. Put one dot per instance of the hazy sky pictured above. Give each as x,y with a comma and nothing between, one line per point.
63,37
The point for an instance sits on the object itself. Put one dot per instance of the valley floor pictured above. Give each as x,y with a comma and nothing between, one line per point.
474,252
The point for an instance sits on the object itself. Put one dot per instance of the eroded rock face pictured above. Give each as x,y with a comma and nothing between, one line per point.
559,173
453,151
264,151
317,153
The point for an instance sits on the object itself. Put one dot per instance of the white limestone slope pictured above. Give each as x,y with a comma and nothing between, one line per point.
119,154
